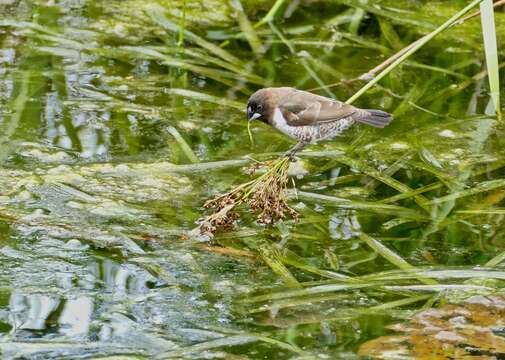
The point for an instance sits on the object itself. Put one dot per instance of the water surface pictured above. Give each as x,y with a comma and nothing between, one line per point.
118,119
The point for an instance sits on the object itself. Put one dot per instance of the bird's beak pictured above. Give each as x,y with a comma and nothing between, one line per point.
255,116
252,116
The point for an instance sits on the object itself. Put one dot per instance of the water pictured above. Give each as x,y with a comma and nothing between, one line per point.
120,118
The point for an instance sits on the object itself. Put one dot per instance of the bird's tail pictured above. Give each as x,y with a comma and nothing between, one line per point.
375,118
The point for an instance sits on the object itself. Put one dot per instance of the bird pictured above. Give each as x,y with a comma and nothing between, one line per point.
307,117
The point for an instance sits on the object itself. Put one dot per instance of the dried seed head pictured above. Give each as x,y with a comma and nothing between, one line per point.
265,196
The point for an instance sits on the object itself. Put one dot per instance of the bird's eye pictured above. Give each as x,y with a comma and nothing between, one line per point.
259,107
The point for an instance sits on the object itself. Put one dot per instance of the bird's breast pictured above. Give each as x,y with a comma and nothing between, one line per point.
310,133
301,133
280,123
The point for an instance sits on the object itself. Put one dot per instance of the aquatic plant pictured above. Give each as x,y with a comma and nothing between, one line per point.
267,194
120,119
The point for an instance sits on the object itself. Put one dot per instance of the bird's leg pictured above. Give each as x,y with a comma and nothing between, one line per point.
292,152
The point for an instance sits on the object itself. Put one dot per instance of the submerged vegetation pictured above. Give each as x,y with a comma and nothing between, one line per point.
440,333
119,119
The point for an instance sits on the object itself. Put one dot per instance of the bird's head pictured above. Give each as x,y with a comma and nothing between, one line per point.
259,106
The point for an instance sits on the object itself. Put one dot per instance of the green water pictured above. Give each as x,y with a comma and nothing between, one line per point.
118,119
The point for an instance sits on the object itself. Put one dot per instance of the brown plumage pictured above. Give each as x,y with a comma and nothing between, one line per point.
308,117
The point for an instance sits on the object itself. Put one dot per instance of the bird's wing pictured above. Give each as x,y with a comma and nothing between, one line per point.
303,108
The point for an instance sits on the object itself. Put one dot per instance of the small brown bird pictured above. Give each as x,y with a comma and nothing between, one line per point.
308,117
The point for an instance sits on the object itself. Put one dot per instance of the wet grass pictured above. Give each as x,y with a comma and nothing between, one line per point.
119,119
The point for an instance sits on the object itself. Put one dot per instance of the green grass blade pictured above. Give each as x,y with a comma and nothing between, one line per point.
437,288
491,49
18,106
496,260
495,211
417,46
225,77
315,290
302,60
294,302
393,257
156,13
199,96
291,258
384,178
271,14
186,149
272,257
397,303
383,209
412,193
479,188
246,27
440,274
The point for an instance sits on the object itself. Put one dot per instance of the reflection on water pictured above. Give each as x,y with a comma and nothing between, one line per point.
344,226
107,109
71,115
31,312
71,315
79,295
75,317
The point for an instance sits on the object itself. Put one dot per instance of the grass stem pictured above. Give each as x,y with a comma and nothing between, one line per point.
411,49
270,15
491,51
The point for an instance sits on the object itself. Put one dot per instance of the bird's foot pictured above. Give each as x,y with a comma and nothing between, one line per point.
290,155
292,152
